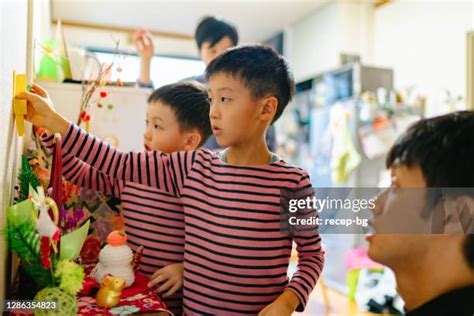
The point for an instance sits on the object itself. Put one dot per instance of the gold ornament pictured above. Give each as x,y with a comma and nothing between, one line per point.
110,292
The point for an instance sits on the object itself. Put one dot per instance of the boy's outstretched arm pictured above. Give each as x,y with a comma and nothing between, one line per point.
79,173
40,110
163,171
41,113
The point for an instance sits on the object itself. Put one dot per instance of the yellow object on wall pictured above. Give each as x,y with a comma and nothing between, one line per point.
19,106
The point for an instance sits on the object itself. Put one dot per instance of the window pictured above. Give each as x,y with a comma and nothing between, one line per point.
164,69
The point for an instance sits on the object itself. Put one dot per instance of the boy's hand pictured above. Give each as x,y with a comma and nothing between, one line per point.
143,41
284,305
40,110
170,277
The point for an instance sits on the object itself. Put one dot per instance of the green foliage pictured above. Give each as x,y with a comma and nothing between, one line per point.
69,276
26,177
24,241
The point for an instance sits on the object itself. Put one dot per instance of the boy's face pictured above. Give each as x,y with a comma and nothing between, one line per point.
162,132
208,53
392,249
235,115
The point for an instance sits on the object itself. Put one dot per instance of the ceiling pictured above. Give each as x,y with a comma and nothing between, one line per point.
255,20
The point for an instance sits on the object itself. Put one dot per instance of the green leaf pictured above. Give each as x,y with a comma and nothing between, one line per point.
24,241
26,178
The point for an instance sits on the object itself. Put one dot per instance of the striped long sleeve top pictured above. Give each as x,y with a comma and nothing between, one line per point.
236,257
153,218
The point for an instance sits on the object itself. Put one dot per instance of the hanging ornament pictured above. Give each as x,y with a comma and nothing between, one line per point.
121,58
47,228
87,119
100,102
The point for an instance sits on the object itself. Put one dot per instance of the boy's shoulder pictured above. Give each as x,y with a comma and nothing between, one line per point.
293,169
206,154
277,164
284,165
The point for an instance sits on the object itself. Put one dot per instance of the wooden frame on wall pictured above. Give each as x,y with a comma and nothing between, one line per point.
381,3
470,71
130,30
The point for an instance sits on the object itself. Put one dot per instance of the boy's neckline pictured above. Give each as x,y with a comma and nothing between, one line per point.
223,158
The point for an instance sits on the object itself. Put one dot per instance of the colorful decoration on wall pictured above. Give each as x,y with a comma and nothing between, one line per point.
90,87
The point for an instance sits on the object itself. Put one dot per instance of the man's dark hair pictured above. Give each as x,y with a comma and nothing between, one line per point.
260,69
443,147
190,103
212,30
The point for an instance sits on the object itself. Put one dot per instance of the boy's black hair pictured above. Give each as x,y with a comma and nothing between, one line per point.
260,69
212,30
190,103
443,147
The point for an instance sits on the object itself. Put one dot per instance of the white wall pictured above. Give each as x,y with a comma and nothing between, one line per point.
316,42
20,22
41,18
312,42
13,40
425,43
356,28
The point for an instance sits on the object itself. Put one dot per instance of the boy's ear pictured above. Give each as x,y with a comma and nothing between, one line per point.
192,141
269,108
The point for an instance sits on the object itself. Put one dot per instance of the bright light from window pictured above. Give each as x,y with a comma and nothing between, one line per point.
164,70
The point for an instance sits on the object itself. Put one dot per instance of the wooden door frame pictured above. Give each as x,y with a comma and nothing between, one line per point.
470,70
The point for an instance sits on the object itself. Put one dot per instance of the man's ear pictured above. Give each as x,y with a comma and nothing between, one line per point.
269,108
192,140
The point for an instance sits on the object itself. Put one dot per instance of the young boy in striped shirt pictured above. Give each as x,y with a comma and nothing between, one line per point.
177,120
236,257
